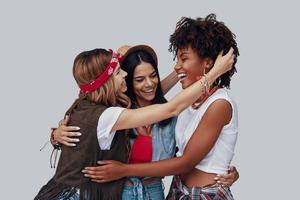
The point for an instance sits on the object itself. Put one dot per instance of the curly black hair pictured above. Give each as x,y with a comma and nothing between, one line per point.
207,37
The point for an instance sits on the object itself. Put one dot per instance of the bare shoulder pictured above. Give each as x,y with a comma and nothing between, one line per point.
220,110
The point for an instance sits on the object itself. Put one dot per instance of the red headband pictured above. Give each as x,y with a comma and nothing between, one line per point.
98,82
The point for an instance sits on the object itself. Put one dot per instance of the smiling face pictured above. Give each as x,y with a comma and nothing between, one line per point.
119,79
190,66
145,81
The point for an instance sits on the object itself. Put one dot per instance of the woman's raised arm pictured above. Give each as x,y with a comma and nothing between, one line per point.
131,118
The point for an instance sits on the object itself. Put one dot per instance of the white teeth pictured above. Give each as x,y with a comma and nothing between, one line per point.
182,75
149,91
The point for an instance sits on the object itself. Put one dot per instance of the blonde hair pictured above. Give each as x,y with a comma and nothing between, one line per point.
88,66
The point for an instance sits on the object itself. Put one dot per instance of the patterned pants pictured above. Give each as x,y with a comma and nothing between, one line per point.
178,191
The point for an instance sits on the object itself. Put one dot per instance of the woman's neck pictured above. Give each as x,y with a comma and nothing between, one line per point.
143,103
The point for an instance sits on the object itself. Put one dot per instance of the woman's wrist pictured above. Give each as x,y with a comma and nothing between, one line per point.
211,76
126,170
54,142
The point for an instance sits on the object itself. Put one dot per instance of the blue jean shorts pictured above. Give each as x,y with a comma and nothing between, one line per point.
145,192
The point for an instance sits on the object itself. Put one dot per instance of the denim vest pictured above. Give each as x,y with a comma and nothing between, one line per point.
163,147
163,140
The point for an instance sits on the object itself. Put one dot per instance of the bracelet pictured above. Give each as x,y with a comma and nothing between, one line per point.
54,143
205,84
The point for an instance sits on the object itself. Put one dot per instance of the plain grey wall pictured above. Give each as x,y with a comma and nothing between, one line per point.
39,40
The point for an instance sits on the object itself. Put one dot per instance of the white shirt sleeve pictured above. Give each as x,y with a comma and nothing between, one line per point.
106,121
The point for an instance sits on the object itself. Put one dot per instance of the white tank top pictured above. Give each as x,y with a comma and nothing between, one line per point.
220,156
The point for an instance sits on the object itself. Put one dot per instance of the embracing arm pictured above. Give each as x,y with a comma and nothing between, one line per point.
131,118
201,142
65,134
169,82
148,115
203,139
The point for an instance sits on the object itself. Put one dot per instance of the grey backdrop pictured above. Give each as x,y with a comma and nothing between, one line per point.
39,40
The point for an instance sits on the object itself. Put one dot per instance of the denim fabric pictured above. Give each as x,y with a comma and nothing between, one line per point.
143,192
163,140
163,147
64,196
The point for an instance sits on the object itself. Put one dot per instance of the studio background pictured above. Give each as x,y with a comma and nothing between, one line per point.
40,39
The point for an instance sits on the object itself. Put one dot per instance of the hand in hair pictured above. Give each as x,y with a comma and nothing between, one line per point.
123,49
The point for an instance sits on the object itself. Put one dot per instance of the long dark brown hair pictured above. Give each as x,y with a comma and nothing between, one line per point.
129,64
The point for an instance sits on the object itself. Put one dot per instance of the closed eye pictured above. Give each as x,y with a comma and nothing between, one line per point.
153,75
184,59
139,80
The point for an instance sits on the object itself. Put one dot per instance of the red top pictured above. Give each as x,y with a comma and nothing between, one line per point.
141,150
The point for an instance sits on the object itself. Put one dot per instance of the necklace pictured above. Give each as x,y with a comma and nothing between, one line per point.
203,98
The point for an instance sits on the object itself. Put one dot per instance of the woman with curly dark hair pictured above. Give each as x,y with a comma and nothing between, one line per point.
206,132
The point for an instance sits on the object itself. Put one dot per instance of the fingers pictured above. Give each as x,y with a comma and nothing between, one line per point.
227,179
71,134
100,174
68,139
231,169
221,180
123,49
229,59
226,184
231,56
235,174
67,143
89,169
69,128
230,52
96,176
105,162
94,173
220,54
95,169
